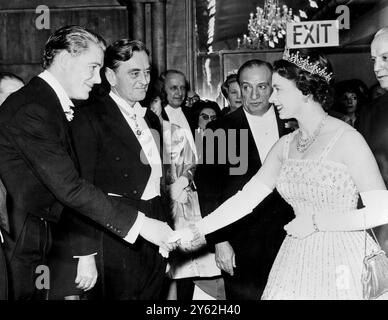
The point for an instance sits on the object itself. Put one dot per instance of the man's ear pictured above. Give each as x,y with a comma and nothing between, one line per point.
63,59
110,76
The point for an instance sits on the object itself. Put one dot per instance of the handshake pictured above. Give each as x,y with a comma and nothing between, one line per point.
160,234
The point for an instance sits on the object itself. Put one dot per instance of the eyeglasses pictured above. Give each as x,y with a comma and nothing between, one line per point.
207,117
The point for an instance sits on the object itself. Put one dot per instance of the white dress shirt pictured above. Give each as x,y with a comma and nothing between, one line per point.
264,130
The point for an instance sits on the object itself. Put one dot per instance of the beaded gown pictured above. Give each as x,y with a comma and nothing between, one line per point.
324,265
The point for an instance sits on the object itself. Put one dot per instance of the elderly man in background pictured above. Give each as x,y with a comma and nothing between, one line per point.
373,120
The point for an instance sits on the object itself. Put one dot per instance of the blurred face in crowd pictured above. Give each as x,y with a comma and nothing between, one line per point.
192,98
379,53
234,95
80,73
175,87
206,115
349,101
8,86
130,80
286,97
156,106
255,84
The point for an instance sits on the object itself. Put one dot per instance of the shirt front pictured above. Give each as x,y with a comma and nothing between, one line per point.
264,130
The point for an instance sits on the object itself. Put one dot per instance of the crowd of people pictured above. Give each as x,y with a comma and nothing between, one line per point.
133,188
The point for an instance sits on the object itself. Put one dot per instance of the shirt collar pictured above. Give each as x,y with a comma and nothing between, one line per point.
269,114
136,109
63,97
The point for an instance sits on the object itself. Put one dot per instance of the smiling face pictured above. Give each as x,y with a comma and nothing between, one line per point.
175,87
286,97
379,53
82,72
130,80
255,84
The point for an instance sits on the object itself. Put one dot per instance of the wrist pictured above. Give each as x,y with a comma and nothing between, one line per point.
317,222
316,229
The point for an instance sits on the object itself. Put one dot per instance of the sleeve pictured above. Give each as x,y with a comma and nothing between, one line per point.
40,139
236,207
373,214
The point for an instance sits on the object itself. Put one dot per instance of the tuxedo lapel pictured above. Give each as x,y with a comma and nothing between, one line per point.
47,94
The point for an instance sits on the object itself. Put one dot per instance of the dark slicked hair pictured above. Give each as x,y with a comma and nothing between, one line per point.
9,75
252,63
74,39
122,50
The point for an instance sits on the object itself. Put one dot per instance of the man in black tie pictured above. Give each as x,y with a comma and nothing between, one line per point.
38,163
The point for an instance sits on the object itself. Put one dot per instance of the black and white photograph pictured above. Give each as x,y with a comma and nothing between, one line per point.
193,155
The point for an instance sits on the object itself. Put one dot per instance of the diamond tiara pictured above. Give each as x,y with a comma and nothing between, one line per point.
306,65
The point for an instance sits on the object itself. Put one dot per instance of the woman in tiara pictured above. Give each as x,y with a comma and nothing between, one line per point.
320,169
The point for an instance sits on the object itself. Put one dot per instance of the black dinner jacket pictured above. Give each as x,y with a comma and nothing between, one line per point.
38,165
108,151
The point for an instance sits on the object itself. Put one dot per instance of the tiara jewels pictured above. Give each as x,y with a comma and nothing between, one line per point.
306,65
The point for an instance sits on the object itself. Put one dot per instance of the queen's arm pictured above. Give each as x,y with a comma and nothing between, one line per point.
244,201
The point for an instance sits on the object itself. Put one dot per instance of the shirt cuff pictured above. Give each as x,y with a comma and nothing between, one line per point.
86,255
133,233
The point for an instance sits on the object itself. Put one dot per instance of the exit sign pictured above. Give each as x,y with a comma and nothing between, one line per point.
310,34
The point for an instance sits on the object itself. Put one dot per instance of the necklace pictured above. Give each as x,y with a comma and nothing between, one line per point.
132,116
302,144
137,127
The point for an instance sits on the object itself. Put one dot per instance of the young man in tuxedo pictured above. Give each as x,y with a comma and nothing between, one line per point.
39,167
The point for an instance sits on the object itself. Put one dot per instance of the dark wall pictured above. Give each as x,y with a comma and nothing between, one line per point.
22,43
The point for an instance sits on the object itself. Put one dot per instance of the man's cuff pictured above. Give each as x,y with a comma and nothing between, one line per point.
87,255
133,233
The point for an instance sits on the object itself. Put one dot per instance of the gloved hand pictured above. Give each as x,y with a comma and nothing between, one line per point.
158,232
301,226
